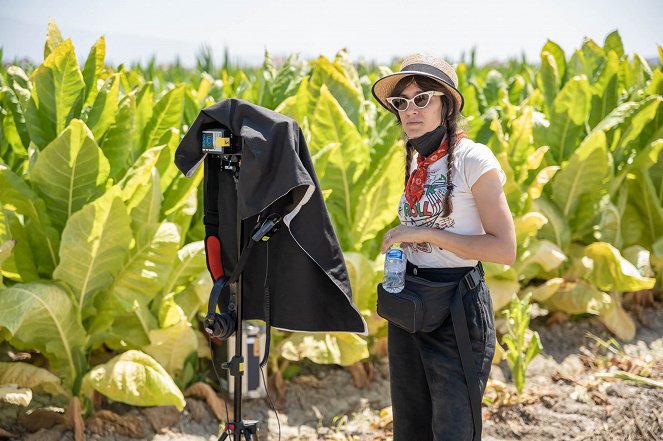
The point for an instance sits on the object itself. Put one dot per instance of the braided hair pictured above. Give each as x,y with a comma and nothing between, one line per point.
451,118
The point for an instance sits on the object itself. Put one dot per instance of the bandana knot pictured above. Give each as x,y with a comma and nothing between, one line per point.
415,184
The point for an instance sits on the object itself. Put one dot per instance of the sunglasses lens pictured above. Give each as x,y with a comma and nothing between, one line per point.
399,103
421,100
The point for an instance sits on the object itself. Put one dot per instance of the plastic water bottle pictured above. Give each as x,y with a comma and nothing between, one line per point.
394,270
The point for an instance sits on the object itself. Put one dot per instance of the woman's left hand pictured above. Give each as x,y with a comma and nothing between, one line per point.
401,233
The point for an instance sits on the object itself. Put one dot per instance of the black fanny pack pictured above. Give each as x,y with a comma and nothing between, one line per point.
422,305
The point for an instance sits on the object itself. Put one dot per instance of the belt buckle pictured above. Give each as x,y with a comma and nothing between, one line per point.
414,270
472,279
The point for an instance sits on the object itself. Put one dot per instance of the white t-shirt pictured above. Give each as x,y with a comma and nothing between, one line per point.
471,160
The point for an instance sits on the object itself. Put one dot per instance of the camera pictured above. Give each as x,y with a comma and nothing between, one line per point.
220,141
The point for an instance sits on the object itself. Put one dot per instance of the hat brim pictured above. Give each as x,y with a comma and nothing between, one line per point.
383,87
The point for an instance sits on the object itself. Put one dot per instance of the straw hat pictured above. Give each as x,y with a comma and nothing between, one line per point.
424,65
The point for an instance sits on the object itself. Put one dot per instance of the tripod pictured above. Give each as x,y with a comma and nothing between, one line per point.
261,232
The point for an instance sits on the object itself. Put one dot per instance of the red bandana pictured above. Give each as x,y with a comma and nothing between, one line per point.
415,185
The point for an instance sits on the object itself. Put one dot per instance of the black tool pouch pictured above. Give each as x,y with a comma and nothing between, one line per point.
422,305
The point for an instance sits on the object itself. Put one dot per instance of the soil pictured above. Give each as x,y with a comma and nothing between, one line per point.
563,399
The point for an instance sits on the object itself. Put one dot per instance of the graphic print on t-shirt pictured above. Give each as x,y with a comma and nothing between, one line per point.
427,211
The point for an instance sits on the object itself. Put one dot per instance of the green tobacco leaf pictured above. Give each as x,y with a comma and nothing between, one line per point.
41,316
16,119
528,225
494,84
543,292
642,221
117,144
168,171
324,72
167,113
30,376
640,258
6,248
104,110
641,127
578,298
70,172
20,265
539,258
605,90
95,245
570,110
618,321
655,86
378,193
194,298
184,217
297,106
344,349
138,186
170,313
118,329
18,196
171,346
93,68
363,279
501,291
646,159
612,272
585,173
150,262
57,95
178,194
549,79
17,76
560,58
144,204
347,161
288,78
53,38
143,114
516,89
544,176
344,65
656,259
613,42
587,60
134,378
190,263
521,138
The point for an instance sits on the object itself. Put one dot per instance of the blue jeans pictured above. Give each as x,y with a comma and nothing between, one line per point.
429,396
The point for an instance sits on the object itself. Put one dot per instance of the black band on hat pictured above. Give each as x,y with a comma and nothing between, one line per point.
426,68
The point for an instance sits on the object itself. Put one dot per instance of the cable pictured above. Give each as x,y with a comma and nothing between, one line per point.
209,340
262,373
271,403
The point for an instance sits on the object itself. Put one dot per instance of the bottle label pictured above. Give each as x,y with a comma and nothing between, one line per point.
395,254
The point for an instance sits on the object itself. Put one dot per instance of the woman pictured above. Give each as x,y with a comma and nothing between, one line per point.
446,231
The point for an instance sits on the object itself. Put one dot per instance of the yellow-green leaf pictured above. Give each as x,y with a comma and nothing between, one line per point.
134,378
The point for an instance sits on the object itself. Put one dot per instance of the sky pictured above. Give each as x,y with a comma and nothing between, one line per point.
370,30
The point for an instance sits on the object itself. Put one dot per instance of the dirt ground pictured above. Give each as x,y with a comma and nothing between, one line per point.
563,398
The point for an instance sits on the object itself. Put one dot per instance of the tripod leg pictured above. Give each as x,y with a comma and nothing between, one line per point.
247,435
227,430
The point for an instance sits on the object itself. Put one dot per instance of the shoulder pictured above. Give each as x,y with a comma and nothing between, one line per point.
474,159
471,150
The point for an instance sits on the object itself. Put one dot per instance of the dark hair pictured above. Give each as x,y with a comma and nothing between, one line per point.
450,117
